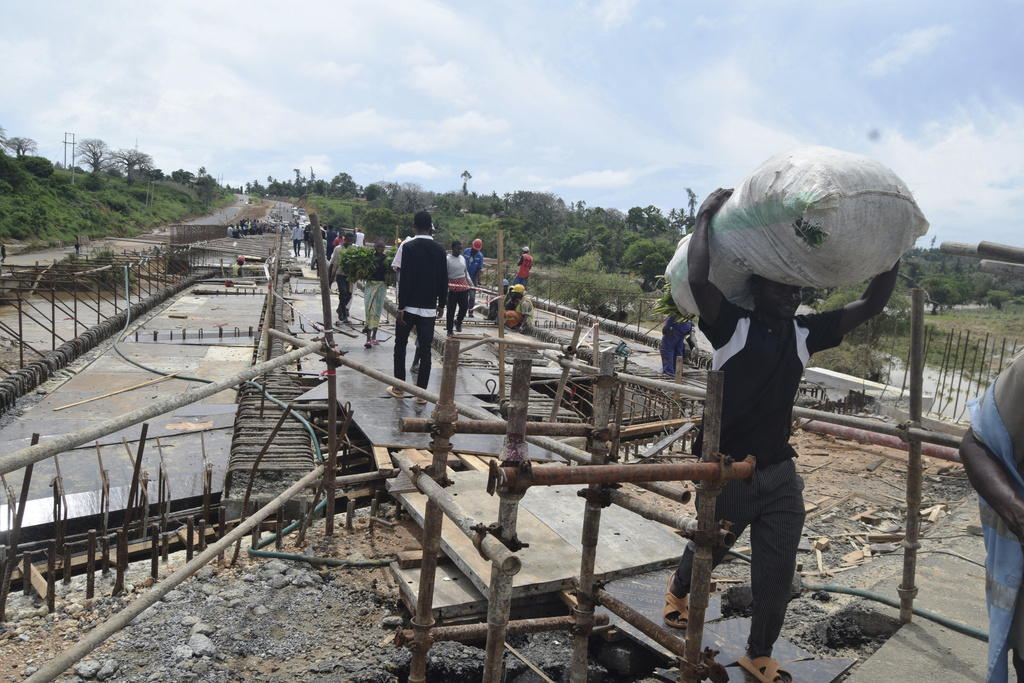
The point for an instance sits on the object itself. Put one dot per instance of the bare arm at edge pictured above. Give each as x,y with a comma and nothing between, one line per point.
989,479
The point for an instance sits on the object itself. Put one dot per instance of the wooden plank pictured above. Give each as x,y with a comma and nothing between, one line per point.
383,459
38,582
408,559
652,428
834,504
473,463
666,442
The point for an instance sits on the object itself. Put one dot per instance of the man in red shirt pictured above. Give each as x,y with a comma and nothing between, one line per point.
525,263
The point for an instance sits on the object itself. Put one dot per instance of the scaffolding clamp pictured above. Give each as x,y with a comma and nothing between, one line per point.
442,481
495,529
706,668
600,496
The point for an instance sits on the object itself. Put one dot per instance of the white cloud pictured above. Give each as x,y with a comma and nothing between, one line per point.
606,179
419,169
611,14
966,174
899,50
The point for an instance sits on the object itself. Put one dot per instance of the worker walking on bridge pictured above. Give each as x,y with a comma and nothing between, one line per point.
762,354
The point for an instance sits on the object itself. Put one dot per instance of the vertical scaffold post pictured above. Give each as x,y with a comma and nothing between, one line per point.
692,668
907,590
596,497
514,451
445,414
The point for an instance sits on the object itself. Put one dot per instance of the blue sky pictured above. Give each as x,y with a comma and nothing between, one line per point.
617,103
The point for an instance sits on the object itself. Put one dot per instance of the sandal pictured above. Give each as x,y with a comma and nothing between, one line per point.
766,670
676,612
397,393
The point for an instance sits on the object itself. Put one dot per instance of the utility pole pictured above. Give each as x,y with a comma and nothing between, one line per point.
72,143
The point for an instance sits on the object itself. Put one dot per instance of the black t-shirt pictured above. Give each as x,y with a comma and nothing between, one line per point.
762,370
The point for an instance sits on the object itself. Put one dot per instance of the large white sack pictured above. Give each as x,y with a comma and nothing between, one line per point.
813,217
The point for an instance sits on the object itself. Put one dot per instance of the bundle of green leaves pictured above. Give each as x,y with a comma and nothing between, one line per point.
358,263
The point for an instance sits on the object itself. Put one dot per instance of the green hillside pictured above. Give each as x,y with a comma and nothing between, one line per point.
39,205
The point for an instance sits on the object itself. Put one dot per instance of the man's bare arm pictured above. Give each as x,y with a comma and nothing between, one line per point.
989,479
698,258
872,301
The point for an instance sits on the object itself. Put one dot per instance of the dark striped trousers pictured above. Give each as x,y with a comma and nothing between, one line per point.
773,507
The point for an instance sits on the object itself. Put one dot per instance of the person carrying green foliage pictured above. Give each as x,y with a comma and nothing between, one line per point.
373,295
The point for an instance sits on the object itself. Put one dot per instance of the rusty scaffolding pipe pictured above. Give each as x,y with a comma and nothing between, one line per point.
523,478
904,432
669,639
604,388
693,667
513,450
467,633
433,515
907,590
332,380
491,547
564,450
422,424
685,524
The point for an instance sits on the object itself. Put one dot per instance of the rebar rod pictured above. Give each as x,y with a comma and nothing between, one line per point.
58,664
65,442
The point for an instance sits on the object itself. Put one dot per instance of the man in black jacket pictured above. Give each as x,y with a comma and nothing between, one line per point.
422,291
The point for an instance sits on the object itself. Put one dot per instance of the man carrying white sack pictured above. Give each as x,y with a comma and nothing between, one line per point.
762,354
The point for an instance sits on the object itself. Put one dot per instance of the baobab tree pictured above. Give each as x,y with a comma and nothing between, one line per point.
94,153
131,159
21,146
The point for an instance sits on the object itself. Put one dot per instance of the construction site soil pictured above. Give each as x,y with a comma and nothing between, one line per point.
280,620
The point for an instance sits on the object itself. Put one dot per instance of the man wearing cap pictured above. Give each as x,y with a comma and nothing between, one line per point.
518,308
238,270
360,237
474,264
525,263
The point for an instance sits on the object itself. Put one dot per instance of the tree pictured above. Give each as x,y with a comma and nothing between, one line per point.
131,159
648,259
998,297
94,152
465,179
379,222
343,185
21,146
373,192
40,167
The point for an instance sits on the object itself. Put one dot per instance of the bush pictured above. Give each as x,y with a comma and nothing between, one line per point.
40,167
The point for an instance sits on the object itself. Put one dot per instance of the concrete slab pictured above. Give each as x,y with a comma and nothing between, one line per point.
551,560
949,586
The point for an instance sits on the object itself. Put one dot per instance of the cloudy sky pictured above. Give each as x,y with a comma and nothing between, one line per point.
617,103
